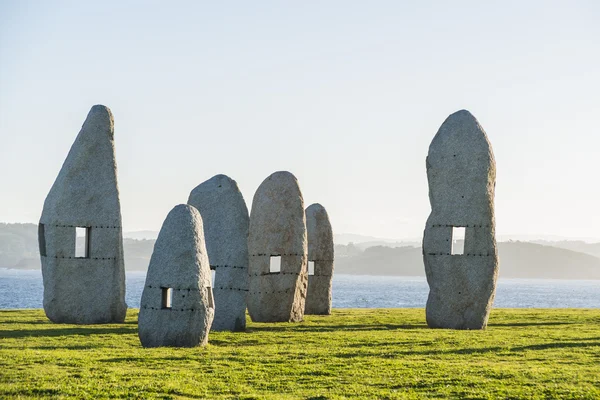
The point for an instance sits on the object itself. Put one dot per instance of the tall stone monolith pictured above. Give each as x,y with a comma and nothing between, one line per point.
177,307
277,229
82,269
320,252
462,176
225,217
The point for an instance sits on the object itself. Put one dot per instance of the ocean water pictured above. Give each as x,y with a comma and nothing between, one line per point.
23,289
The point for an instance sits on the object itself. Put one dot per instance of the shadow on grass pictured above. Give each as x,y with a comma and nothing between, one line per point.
124,359
146,359
83,331
70,347
37,392
376,327
381,344
391,352
482,350
17,322
237,343
333,328
558,345
514,324
541,346
46,321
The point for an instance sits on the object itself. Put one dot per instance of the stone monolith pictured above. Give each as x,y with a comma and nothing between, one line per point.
462,176
177,307
277,229
320,252
225,218
80,234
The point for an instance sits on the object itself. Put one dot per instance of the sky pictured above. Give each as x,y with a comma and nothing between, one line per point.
346,95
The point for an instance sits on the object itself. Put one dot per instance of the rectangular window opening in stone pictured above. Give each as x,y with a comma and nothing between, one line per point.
458,240
167,297
42,239
311,267
82,242
275,264
211,301
213,276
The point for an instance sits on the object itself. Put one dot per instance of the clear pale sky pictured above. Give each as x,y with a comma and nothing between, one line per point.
347,95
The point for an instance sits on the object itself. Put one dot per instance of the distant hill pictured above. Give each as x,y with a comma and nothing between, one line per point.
346,238
517,260
363,242
137,254
560,260
592,249
381,260
19,246
531,260
19,249
141,235
378,243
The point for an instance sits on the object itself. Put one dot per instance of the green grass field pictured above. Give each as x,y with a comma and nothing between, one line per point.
374,353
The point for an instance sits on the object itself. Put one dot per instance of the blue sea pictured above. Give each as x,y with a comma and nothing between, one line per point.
23,289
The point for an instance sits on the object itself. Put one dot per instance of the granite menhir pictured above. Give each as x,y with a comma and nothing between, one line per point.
277,233
80,234
459,243
225,217
177,307
320,252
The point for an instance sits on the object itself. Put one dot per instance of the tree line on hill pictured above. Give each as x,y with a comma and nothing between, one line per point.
540,259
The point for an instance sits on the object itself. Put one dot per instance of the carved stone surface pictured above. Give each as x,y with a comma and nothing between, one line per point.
320,251
462,176
86,288
177,306
225,217
277,228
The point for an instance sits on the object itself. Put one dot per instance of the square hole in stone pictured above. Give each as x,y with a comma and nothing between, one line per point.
82,242
167,297
211,300
458,240
275,264
42,239
311,267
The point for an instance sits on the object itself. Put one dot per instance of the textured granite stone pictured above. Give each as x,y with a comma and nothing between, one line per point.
320,251
462,176
277,228
225,217
179,262
88,290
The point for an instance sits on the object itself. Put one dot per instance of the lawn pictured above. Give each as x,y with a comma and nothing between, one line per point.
358,353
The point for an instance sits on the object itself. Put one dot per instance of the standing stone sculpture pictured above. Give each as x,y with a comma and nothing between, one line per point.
177,306
462,176
80,234
225,217
277,229
320,252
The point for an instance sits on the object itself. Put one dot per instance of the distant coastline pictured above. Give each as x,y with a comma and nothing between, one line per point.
536,259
